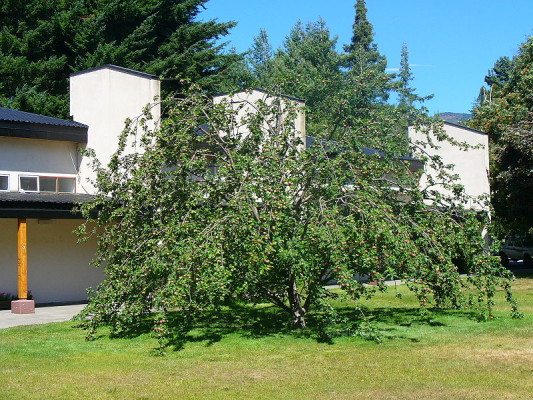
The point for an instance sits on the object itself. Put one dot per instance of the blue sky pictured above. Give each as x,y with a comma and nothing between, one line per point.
452,43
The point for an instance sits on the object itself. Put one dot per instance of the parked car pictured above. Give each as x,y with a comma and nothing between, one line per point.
517,248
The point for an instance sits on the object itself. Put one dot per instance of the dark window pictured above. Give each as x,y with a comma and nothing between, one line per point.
47,184
4,182
29,183
66,185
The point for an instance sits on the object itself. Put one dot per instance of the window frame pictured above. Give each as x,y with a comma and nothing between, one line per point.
5,176
38,177
28,176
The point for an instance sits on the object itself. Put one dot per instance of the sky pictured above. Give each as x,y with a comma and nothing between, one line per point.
452,43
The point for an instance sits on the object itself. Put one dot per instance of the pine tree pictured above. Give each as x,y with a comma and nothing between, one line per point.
42,42
260,57
308,67
500,73
362,52
407,95
366,66
405,77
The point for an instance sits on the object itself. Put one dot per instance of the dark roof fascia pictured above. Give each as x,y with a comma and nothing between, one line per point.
39,213
286,96
465,128
29,130
117,69
41,205
367,151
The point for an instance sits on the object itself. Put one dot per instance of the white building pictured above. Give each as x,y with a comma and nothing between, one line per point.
471,165
42,175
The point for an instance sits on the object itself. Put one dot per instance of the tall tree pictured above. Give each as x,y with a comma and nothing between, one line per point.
407,96
274,224
500,73
41,43
507,120
367,84
308,66
362,51
260,57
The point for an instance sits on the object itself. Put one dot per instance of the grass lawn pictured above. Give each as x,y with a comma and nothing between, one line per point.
244,357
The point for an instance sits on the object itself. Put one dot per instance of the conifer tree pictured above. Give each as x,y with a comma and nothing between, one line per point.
407,95
42,42
260,57
309,67
362,52
405,77
366,66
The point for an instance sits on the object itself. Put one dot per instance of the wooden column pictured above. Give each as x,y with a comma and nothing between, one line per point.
22,259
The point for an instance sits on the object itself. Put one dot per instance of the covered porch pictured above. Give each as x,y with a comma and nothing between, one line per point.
40,259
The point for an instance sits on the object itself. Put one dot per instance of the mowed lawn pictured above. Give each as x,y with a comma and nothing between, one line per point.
247,357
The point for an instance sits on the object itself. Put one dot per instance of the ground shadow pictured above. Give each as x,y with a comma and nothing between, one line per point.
262,321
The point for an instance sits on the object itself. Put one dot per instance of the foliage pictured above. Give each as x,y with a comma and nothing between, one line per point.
407,95
260,56
499,74
513,182
224,205
308,67
365,63
42,42
505,114
4,296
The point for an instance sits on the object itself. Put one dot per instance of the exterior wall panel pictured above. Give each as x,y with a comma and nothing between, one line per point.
59,268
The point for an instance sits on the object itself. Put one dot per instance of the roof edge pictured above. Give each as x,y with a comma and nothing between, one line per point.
117,69
263,91
465,127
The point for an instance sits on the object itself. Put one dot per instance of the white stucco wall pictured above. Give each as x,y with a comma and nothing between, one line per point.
58,267
471,165
37,157
245,102
103,99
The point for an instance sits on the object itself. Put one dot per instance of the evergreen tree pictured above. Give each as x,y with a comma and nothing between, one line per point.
407,95
42,42
507,119
499,74
366,66
308,67
362,52
238,76
260,56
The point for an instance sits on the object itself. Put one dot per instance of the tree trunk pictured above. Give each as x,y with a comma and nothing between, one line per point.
298,316
297,311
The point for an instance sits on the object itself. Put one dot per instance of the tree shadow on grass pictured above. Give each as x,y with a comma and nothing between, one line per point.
263,321
252,322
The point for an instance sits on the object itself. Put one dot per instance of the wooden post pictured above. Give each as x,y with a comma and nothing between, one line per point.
22,259
22,305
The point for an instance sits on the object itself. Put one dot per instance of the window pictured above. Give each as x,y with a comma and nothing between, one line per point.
29,183
49,184
4,182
